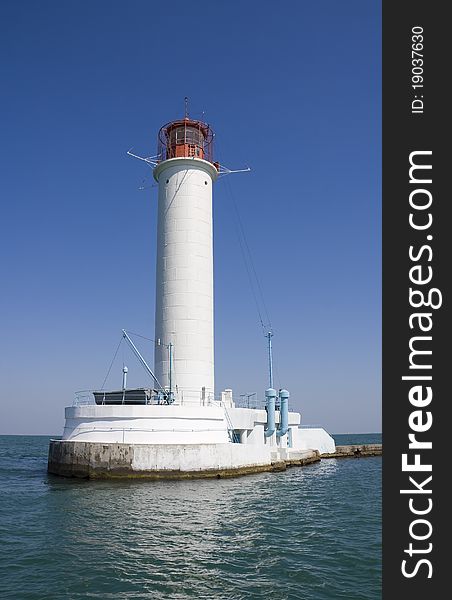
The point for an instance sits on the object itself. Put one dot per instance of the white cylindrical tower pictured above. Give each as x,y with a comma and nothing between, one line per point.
184,282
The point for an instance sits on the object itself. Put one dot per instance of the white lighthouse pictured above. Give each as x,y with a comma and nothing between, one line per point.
175,427
184,347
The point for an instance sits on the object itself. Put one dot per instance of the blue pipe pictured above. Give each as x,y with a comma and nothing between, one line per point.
284,413
270,396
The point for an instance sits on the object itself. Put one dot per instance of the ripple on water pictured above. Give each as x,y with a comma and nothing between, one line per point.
305,534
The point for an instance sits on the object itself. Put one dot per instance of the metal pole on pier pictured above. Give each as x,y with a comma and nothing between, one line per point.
270,358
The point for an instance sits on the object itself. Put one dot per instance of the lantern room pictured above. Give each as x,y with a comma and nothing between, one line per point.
185,138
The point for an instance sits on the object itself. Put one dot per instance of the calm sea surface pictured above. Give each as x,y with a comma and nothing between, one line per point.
309,533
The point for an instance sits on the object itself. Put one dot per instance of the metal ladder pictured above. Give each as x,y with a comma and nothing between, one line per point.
234,437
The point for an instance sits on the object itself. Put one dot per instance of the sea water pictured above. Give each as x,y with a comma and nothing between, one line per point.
311,533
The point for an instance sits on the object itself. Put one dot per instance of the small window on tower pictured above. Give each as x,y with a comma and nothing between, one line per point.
180,135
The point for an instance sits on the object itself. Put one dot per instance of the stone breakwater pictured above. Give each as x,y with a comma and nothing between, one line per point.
92,460
356,451
89,460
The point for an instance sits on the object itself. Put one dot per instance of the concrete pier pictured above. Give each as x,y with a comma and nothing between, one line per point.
356,451
90,460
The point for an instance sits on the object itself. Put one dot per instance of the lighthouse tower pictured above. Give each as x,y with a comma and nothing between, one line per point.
184,347
177,429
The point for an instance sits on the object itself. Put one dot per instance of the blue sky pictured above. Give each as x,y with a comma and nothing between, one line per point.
293,90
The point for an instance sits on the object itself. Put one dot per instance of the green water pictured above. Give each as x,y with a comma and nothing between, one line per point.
309,533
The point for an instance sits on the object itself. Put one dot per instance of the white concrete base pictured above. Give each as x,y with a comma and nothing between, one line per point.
199,457
146,424
167,461
153,439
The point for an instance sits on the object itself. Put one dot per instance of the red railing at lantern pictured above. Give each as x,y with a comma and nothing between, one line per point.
185,138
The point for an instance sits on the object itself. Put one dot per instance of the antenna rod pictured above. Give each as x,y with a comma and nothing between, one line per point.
141,359
270,358
186,107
